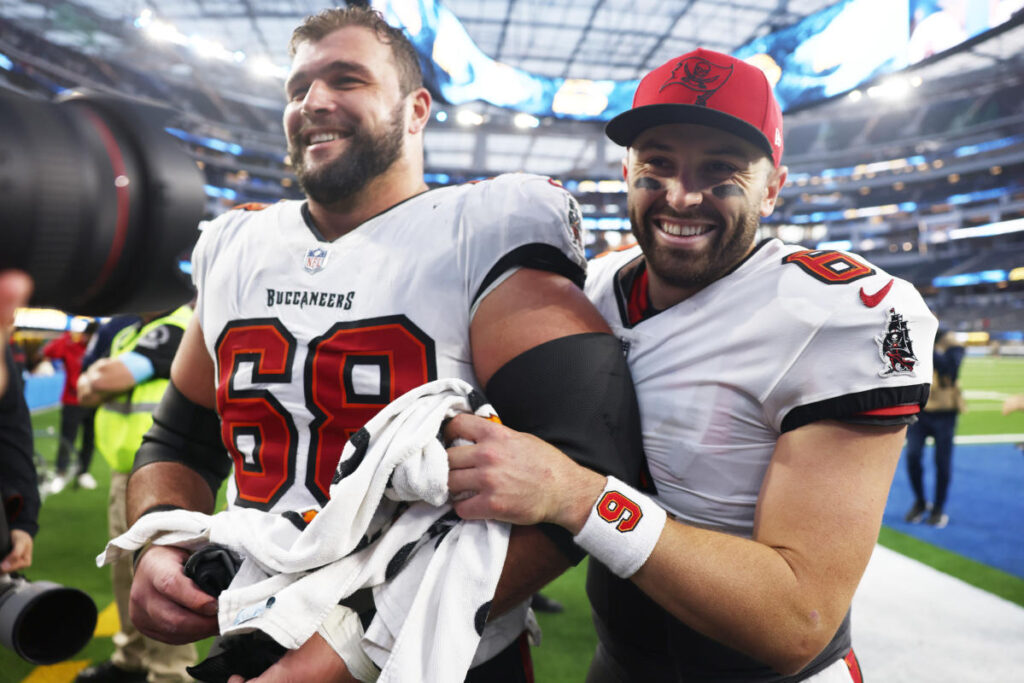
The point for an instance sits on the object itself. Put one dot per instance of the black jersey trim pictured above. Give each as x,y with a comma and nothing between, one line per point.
622,283
536,255
850,407
627,274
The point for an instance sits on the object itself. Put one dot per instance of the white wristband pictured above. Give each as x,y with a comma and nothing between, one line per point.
622,528
342,630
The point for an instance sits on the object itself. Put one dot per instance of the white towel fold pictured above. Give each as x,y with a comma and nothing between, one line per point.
291,578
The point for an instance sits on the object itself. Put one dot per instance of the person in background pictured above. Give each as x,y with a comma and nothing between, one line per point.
69,348
19,492
937,420
125,387
15,289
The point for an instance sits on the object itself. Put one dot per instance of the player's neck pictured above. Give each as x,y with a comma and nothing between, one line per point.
394,186
663,295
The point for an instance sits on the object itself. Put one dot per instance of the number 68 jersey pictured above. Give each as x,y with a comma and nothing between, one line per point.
311,338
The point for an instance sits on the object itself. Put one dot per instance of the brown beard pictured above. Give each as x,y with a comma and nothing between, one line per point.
369,155
686,272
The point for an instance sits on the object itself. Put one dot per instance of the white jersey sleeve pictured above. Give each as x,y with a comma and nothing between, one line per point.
865,354
212,234
517,221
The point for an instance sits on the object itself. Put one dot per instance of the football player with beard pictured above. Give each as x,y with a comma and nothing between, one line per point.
775,384
313,315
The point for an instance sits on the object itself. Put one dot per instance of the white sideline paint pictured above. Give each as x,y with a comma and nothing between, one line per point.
987,438
912,623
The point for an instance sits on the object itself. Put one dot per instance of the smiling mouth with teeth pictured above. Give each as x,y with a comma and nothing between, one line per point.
317,138
677,230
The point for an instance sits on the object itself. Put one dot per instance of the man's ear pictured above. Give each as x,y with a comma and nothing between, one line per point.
419,105
776,181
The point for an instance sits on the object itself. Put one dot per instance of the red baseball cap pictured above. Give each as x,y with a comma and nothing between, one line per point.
707,88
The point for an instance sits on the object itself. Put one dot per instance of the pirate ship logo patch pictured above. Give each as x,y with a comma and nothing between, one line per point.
699,75
895,347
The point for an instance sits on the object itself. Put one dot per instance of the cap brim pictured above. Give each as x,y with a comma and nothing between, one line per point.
625,127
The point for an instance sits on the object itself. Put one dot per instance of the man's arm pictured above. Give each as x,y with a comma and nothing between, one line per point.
778,597
105,378
781,596
165,604
530,308
166,483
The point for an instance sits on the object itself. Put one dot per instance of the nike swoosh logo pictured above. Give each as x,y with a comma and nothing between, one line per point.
872,300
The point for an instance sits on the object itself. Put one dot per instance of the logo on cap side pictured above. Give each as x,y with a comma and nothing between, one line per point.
699,75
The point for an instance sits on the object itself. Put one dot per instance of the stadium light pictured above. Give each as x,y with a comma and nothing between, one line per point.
524,121
1000,228
161,31
465,117
262,67
840,245
211,49
891,89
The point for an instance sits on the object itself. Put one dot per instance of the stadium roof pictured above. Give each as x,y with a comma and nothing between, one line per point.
617,39
585,39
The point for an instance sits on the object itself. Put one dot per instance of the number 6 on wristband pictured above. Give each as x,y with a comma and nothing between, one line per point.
622,529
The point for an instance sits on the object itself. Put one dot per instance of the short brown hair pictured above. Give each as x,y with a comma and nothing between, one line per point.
315,27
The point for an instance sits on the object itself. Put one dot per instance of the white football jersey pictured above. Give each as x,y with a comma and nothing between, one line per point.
311,338
789,337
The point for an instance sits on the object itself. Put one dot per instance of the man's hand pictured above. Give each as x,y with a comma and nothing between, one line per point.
516,477
314,661
1013,403
165,604
105,378
21,552
86,396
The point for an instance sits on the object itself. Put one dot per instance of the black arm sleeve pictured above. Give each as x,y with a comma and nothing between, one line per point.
576,393
186,433
159,346
18,485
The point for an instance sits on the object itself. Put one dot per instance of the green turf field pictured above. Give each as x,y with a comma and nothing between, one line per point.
73,530
987,382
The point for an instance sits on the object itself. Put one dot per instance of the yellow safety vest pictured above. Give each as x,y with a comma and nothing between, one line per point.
123,420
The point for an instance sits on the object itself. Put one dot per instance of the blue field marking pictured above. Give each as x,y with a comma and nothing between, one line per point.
985,505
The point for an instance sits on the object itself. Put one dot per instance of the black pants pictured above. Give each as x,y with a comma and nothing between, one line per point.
71,418
250,654
940,426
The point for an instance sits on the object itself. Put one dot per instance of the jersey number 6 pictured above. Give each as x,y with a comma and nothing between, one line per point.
351,372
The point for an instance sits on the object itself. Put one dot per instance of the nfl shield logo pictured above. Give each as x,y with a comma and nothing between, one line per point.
315,260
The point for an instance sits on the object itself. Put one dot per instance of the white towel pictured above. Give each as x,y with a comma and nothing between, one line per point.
291,578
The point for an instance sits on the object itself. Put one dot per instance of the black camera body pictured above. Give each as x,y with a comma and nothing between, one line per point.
41,621
100,204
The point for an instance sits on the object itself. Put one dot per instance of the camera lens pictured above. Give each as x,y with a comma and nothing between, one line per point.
100,204
45,622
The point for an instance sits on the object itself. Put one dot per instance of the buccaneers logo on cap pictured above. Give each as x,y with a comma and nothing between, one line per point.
699,75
